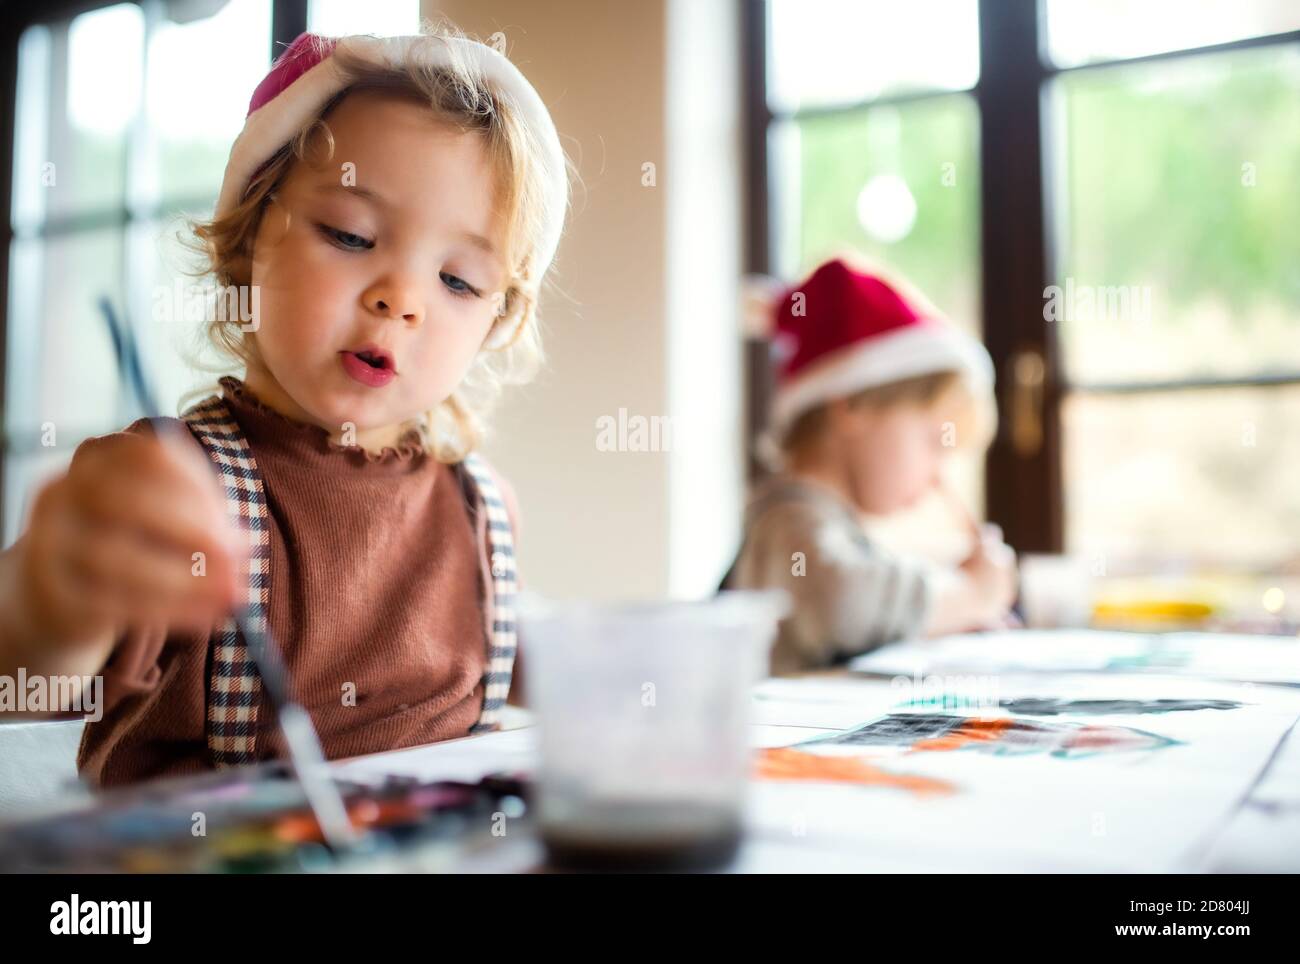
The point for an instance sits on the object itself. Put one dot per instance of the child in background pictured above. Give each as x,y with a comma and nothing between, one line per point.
396,203
874,390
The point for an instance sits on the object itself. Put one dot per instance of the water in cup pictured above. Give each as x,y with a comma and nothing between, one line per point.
643,711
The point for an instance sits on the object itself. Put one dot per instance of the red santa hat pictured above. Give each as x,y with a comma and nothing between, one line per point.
305,77
843,330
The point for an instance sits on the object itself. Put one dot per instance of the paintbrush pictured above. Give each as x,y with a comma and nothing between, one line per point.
306,757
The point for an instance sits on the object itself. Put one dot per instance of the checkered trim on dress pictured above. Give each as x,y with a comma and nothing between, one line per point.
503,642
234,687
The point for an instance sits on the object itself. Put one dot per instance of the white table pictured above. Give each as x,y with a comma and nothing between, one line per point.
1190,821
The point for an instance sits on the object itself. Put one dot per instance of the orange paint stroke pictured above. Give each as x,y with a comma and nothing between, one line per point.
970,731
783,763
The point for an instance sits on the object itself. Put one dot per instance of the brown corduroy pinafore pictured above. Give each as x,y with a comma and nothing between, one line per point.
234,687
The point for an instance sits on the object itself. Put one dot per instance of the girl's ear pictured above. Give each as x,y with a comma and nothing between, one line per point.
510,315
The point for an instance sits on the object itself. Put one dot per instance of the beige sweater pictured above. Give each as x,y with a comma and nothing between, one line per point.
849,594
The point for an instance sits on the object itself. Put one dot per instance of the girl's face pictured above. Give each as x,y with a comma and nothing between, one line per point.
894,453
380,272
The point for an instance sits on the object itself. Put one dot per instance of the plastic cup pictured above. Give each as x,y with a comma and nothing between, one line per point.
1055,591
644,716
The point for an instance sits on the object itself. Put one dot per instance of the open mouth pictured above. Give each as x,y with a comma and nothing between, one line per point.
371,365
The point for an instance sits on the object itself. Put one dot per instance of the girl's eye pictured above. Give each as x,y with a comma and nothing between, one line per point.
351,242
459,286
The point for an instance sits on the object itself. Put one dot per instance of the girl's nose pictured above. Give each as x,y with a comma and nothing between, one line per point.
396,301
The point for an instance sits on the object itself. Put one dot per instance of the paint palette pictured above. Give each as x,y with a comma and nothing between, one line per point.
258,821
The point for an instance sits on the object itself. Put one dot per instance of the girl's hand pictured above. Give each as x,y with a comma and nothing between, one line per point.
135,533
992,568
977,596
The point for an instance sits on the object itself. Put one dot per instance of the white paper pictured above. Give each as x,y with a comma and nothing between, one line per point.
1167,783
1244,658
1167,795
1263,835
468,759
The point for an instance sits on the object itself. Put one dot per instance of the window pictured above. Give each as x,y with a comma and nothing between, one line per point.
124,118
1136,266
1176,211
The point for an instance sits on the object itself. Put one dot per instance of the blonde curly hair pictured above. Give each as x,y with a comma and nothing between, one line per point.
457,95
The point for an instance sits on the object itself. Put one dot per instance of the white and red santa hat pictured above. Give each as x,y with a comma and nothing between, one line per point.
843,330
305,77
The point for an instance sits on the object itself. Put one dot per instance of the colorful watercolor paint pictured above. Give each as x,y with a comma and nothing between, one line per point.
252,821
1003,735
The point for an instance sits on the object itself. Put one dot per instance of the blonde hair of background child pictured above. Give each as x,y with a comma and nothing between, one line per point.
460,97
945,392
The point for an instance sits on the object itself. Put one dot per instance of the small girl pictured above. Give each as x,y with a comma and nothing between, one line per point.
394,204
874,390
